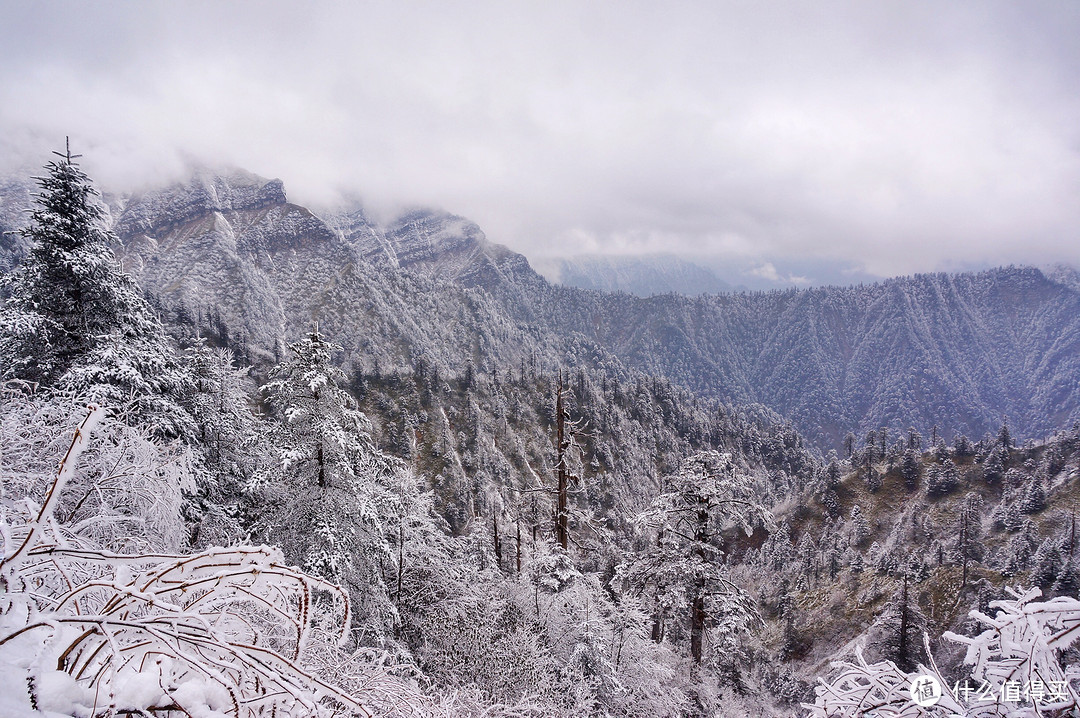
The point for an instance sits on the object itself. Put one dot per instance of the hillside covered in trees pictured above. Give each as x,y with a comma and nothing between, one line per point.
320,467
228,255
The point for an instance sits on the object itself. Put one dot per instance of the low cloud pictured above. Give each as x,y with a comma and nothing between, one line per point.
769,273
883,138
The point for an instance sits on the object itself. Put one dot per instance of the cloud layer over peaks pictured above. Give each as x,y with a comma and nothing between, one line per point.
878,138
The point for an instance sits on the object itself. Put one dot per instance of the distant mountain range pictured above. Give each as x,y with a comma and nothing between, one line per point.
228,252
644,276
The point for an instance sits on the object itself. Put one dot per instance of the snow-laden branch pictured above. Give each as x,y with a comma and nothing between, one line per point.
216,633
1017,670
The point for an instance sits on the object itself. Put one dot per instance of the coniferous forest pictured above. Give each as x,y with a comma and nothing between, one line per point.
264,460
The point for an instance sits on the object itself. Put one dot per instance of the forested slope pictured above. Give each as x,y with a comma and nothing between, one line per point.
960,351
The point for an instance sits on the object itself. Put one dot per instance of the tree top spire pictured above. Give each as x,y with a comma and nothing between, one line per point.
66,154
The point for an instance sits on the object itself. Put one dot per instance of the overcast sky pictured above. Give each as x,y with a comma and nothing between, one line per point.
811,139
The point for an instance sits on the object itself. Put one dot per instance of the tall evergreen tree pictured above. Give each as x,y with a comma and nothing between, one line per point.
336,499
941,480
860,527
909,468
683,570
849,445
901,628
969,546
1033,496
75,321
231,445
870,448
832,472
897,634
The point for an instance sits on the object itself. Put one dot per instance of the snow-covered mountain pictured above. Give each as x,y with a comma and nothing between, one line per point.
230,253
434,244
14,201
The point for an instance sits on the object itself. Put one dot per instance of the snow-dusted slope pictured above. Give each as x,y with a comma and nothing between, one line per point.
231,254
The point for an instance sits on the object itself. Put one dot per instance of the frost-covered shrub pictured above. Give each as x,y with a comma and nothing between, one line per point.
86,631
126,495
1018,661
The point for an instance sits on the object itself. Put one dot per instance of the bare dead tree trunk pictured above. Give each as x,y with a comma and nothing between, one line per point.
400,556
964,548
697,625
658,619
1072,536
903,649
322,464
562,517
697,610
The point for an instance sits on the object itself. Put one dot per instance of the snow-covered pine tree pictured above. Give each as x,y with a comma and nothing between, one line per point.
1033,496
941,450
969,546
909,468
941,480
832,472
232,446
993,466
963,447
75,321
682,569
914,439
860,527
849,446
897,633
1021,548
330,516
873,479
1048,564
870,448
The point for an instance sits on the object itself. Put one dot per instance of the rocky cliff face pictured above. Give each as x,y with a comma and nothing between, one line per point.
231,251
230,248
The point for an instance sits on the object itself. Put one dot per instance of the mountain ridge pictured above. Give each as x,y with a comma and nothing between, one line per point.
960,351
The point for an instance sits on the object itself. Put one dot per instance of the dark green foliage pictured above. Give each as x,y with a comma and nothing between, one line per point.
910,467
75,322
897,633
942,480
